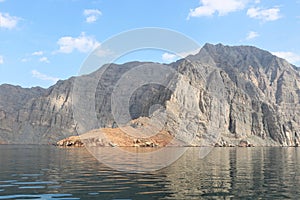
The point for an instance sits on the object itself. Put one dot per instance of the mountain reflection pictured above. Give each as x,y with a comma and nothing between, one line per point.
47,172
236,173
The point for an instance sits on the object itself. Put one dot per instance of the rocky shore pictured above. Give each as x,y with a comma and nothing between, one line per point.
141,133
73,141
241,143
161,140
109,137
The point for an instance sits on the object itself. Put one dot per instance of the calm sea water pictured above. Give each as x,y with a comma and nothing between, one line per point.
46,172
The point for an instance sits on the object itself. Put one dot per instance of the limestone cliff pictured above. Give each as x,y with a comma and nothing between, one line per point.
36,115
260,95
222,93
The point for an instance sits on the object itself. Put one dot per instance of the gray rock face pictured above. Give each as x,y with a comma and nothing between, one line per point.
222,93
36,115
261,92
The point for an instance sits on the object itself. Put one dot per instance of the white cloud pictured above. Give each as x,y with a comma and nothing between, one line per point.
43,77
7,21
222,7
271,14
92,12
44,59
1,60
91,19
251,35
168,57
2,1
25,59
91,15
37,53
82,43
289,56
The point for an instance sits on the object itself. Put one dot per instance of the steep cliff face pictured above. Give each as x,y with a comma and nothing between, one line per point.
221,93
36,115
261,92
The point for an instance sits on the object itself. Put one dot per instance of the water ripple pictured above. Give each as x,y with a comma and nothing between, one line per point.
226,173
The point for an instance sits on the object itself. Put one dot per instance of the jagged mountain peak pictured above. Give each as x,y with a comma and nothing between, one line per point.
240,57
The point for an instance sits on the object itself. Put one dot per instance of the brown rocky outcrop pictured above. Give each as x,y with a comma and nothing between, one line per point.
129,136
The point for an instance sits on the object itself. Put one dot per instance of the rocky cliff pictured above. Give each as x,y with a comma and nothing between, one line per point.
261,93
222,94
36,115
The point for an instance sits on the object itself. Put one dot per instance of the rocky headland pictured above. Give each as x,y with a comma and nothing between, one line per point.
243,96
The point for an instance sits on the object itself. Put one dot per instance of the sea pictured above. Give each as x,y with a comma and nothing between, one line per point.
49,172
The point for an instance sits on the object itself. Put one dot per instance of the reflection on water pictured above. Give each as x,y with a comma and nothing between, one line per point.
137,160
45,172
237,173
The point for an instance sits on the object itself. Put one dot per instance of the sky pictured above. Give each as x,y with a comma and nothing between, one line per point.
44,41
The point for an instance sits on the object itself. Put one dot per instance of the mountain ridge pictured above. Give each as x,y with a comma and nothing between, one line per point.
261,100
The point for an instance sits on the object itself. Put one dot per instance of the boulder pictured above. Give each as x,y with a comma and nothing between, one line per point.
245,143
73,141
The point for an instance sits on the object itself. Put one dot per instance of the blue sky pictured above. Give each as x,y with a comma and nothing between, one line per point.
43,41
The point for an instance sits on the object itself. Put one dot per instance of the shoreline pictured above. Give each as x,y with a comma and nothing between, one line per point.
75,142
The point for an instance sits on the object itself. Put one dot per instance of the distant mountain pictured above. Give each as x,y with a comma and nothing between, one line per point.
241,93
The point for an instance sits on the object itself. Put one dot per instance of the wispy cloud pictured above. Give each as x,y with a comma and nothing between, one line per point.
168,57
264,15
44,77
82,43
251,35
37,53
222,7
44,59
25,59
91,15
289,56
1,60
2,1
7,21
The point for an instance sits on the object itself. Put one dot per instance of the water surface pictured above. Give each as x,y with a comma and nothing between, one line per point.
46,172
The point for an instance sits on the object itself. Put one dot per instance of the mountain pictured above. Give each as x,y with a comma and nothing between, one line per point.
223,94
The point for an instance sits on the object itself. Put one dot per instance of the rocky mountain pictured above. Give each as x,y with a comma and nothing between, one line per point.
222,95
262,94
